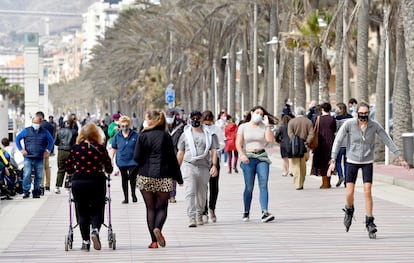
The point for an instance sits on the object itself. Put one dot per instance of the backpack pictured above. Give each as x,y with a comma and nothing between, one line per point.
298,148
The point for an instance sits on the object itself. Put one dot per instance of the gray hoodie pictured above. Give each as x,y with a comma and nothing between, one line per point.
360,147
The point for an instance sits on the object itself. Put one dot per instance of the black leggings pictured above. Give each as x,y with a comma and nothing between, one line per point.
213,187
157,206
89,196
127,176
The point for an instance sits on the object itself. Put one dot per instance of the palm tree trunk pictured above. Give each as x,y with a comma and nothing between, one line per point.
233,60
273,31
362,50
401,96
244,77
339,62
292,84
380,97
408,11
283,82
300,90
323,77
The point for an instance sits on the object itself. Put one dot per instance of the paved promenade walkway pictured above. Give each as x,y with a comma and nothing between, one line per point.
308,226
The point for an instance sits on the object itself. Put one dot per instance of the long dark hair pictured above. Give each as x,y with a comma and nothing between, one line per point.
272,119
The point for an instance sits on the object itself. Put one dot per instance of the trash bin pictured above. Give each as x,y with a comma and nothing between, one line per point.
408,147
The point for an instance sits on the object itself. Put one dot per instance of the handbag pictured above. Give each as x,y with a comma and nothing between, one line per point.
314,143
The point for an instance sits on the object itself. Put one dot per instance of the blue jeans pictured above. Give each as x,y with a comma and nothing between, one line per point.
29,165
341,153
249,173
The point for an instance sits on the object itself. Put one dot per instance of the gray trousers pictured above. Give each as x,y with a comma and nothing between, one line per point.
196,180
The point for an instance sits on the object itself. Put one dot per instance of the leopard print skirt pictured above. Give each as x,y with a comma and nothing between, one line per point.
151,184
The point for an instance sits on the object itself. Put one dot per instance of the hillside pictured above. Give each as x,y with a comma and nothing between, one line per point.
12,27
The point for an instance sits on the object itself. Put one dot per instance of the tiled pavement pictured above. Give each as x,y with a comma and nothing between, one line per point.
308,226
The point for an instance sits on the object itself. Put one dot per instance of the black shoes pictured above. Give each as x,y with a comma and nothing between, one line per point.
246,216
125,202
340,181
35,196
267,217
134,199
25,196
95,240
85,246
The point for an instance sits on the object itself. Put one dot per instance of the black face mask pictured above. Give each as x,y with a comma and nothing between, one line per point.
195,123
363,117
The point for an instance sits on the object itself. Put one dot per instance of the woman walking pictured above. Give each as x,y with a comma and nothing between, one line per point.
341,117
157,168
282,137
123,146
322,153
88,162
230,132
252,137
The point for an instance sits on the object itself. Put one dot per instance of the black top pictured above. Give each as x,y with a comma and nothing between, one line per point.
154,153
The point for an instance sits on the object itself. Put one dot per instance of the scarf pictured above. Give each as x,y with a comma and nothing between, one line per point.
189,136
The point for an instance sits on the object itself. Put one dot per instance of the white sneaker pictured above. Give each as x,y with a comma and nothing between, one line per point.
57,190
205,219
199,220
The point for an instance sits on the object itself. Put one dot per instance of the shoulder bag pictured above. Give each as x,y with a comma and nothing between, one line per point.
314,144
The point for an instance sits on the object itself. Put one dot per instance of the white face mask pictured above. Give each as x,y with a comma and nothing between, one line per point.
169,120
256,118
145,124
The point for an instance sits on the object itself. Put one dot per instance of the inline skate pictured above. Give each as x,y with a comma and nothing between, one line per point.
349,214
371,227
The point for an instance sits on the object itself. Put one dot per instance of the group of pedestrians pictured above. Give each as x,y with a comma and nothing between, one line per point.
168,151
346,143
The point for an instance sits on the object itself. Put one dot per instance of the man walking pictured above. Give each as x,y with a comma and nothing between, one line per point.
302,127
196,147
65,139
45,183
37,145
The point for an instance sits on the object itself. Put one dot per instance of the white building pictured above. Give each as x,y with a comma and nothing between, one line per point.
99,16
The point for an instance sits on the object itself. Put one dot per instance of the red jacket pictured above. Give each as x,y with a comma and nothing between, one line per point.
230,132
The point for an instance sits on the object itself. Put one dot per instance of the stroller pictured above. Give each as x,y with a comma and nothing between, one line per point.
10,179
111,234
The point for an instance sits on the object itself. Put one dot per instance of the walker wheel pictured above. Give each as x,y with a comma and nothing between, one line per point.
113,241
66,243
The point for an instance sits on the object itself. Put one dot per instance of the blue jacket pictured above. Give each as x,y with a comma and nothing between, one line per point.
125,148
36,142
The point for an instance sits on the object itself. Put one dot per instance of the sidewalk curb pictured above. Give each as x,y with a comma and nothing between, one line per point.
388,179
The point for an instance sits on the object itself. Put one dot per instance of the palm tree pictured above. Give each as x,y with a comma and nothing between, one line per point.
362,54
339,62
408,18
401,96
3,87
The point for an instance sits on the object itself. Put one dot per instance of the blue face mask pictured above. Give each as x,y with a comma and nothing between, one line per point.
256,118
35,126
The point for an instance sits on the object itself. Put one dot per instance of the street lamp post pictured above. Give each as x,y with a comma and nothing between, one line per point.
274,42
